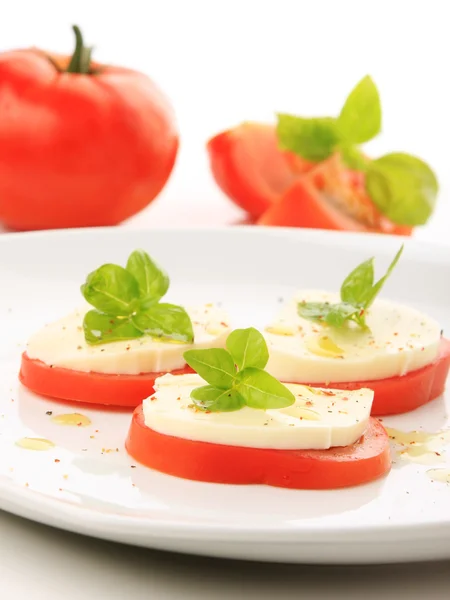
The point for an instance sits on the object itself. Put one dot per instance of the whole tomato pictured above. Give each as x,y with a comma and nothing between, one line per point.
81,144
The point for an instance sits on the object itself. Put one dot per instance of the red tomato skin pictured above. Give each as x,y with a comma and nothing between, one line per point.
79,150
88,388
249,168
366,460
397,395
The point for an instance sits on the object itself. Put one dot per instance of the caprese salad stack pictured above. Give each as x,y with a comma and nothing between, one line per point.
234,423
350,339
111,350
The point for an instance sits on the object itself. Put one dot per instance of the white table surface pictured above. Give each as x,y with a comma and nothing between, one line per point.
44,564
223,62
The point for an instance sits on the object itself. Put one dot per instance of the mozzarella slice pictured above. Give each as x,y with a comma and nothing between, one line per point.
399,339
62,344
319,419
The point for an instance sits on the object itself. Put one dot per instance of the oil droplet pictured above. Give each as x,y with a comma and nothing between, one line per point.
301,412
280,329
324,346
422,454
72,420
420,446
442,475
321,391
30,443
214,328
418,437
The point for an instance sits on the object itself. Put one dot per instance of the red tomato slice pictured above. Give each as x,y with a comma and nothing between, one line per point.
329,197
91,388
396,395
249,167
364,461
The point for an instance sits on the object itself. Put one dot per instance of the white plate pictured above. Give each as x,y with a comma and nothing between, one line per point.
402,517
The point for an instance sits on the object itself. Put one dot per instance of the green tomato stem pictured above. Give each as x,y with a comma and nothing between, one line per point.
81,57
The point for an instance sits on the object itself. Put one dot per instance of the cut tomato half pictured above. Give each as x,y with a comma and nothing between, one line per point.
249,167
88,387
363,461
268,183
397,395
330,197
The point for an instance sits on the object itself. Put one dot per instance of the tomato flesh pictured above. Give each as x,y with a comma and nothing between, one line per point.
88,387
396,395
365,460
329,197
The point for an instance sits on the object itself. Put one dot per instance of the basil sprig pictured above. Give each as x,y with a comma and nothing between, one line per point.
236,376
127,303
357,295
402,186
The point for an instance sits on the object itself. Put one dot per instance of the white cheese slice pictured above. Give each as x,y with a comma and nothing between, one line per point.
319,419
62,344
400,339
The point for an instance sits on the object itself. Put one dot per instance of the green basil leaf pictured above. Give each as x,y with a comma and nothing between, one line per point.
100,328
216,400
342,312
332,314
261,390
403,187
360,118
112,290
353,158
313,139
153,281
313,310
248,348
167,321
214,365
358,284
377,287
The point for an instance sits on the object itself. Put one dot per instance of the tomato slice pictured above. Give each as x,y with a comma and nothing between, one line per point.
249,167
88,387
330,197
397,395
363,461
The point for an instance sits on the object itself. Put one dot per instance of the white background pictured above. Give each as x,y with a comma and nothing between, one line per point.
222,62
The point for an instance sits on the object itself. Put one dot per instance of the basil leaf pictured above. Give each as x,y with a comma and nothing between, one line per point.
313,310
313,139
112,290
100,328
360,118
358,284
377,287
338,314
216,400
153,281
261,390
353,158
248,348
167,321
403,187
332,314
214,365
